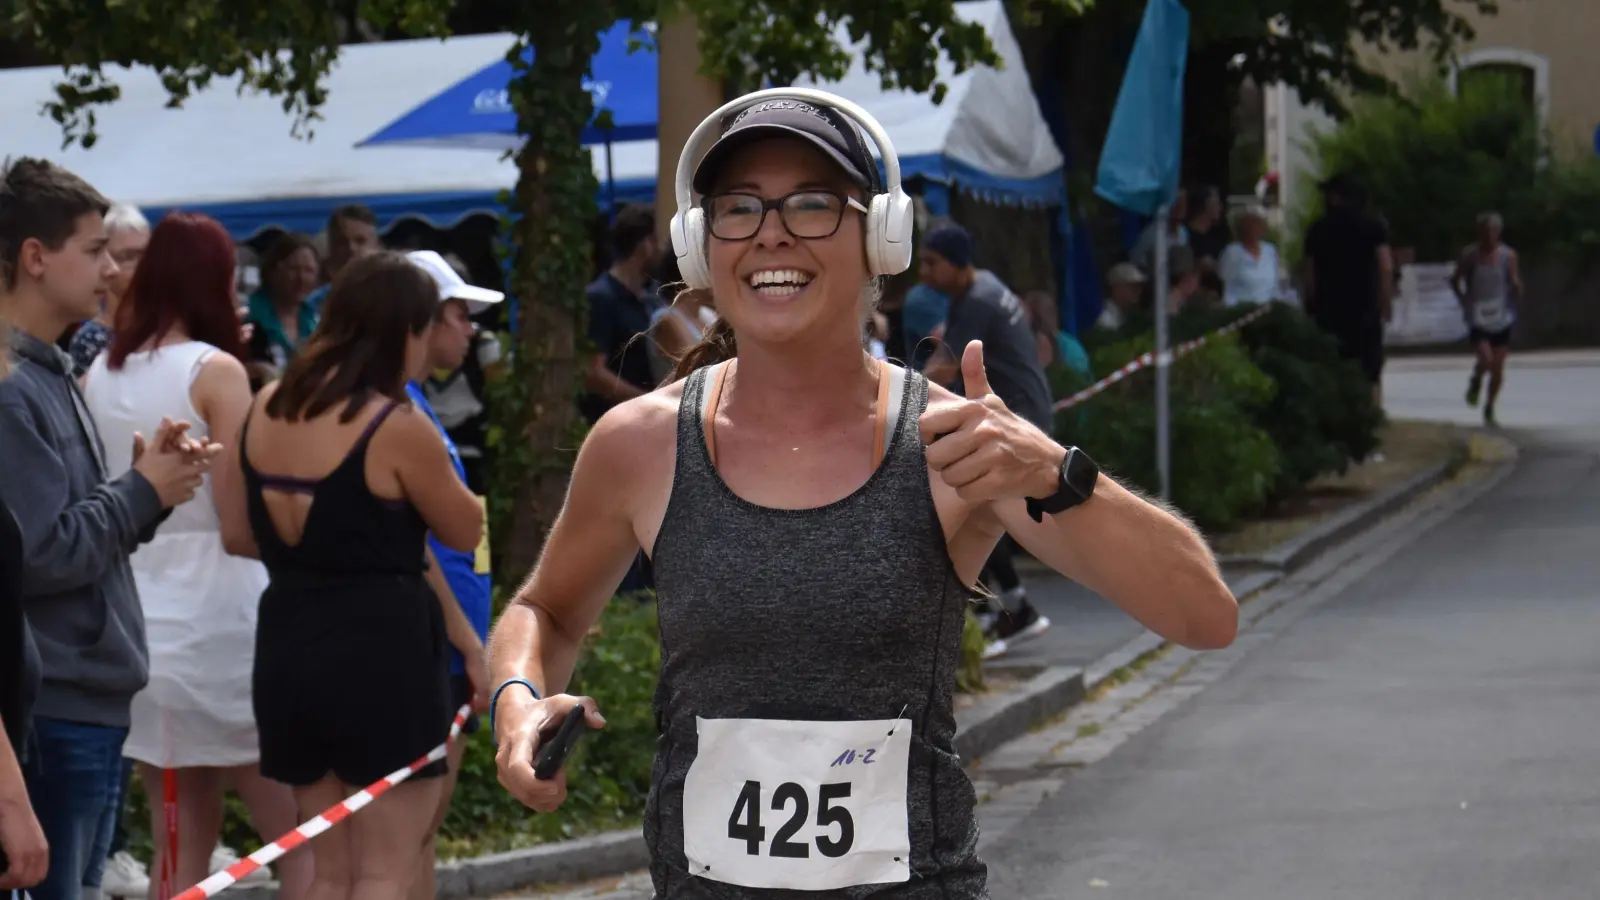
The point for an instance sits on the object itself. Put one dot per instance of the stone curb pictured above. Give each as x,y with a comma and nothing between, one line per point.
613,853
980,729
1300,549
989,723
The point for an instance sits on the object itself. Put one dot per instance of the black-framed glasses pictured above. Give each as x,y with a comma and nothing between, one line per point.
810,215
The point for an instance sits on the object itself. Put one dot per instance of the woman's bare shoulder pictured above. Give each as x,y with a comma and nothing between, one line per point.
640,430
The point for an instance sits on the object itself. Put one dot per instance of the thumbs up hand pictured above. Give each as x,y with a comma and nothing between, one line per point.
982,449
974,377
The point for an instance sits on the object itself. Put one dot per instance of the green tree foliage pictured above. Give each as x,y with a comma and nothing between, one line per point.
285,48
1323,49
1432,160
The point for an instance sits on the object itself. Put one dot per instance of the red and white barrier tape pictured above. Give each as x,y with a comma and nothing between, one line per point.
1149,359
329,817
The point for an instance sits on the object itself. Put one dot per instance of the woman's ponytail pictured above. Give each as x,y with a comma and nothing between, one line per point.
717,345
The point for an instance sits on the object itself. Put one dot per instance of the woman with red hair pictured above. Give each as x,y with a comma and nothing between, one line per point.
176,354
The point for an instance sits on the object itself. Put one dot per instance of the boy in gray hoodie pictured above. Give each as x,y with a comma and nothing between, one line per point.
78,527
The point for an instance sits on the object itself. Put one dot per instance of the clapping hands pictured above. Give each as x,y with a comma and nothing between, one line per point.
174,463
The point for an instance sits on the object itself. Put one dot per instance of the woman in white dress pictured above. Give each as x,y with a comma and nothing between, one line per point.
176,353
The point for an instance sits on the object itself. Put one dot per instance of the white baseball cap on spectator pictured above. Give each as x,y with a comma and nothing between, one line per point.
451,285
1126,273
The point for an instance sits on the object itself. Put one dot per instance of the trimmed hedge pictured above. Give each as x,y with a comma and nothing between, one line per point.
1223,465
1256,415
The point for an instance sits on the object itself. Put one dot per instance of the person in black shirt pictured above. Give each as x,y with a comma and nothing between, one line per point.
620,303
983,309
1208,233
1348,275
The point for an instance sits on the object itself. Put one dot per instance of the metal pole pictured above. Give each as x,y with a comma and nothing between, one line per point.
611,186
1163,360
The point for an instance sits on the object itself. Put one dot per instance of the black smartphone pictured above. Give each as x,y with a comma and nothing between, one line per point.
553,755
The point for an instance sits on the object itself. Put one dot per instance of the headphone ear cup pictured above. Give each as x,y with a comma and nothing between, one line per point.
689,245
890,219
873,234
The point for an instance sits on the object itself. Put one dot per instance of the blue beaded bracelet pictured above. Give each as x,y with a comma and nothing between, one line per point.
494,702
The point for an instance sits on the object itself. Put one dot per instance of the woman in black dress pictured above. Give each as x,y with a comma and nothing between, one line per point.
342,481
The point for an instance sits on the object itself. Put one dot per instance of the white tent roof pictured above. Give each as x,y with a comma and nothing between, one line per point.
222,147
989,120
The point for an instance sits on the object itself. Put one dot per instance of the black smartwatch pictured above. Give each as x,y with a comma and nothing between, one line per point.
1075,484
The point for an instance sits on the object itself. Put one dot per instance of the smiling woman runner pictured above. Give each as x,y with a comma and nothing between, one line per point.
815,518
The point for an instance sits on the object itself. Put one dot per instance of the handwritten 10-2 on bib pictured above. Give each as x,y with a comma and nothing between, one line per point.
804,806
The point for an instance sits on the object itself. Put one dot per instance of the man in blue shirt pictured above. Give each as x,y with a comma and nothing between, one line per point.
460,579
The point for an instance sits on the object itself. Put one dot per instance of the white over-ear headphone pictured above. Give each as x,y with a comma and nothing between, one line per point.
889,214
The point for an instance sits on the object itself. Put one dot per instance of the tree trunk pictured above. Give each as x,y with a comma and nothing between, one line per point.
687,97
556,199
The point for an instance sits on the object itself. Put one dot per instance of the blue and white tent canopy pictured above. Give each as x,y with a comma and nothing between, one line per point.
234,157
476,111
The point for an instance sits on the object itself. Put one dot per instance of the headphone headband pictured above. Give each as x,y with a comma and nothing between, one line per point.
683,184
889,215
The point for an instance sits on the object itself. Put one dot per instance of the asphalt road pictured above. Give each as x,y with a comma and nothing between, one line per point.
1553,392
1430,731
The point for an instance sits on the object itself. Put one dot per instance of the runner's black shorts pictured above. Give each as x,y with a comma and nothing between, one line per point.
1499,338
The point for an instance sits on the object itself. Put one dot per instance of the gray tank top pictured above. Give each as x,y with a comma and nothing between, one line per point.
1489,289
839,614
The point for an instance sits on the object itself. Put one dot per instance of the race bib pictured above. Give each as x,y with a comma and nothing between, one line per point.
1490,315
803,806
480,557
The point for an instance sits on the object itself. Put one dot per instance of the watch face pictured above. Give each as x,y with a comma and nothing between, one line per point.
1080,472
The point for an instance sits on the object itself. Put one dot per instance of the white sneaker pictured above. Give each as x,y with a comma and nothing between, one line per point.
125,877
995,648
223,857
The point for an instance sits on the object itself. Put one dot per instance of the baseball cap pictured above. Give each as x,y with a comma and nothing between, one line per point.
823,127
1125,273
950,241
451,285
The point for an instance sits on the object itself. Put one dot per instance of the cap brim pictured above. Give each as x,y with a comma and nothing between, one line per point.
477,299
705,174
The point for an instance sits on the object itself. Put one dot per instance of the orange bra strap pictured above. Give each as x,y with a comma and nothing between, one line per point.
880,424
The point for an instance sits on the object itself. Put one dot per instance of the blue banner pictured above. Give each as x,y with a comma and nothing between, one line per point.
1139,165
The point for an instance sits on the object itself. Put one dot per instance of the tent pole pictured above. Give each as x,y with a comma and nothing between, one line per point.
611,184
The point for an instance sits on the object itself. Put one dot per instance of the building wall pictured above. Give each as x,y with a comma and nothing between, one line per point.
1558,39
